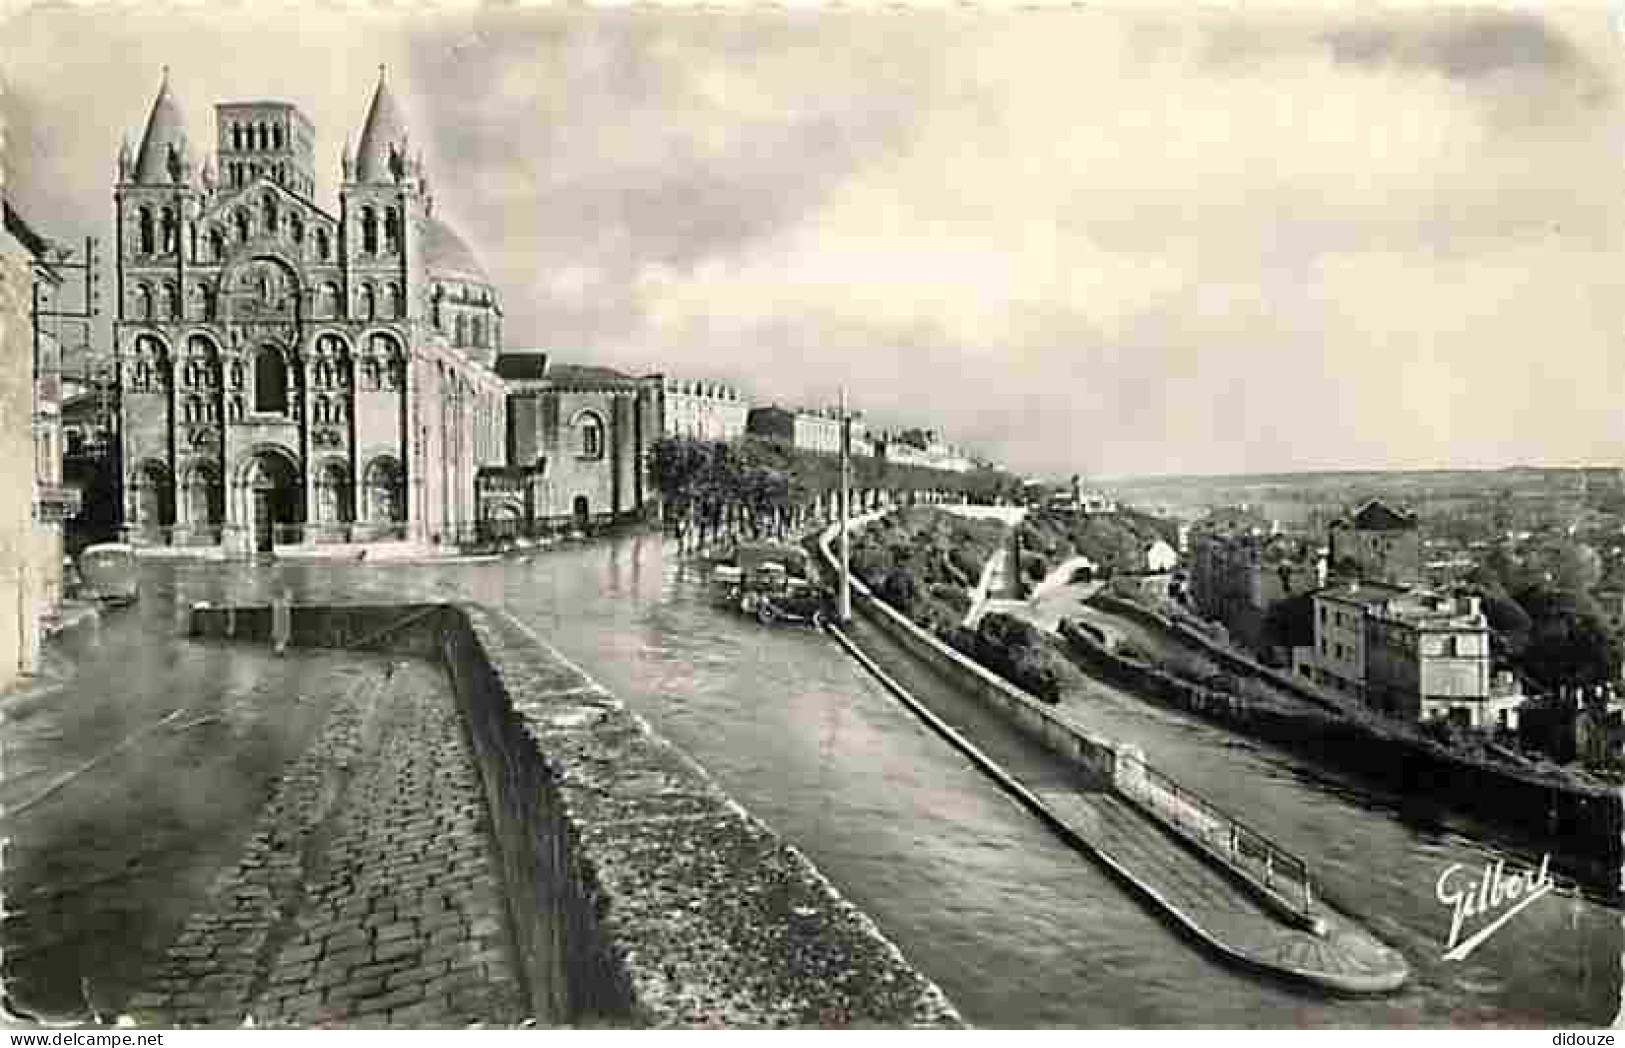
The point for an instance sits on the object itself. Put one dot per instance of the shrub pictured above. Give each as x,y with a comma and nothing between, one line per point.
967,564
954,597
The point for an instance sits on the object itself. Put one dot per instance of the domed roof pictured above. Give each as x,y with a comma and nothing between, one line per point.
166,133
447,255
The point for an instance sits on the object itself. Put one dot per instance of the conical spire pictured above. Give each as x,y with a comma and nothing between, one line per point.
383,134
163,146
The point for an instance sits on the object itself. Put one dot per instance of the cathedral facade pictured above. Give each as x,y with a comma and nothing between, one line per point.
292,374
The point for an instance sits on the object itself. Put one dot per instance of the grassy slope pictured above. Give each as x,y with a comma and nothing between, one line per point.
924,562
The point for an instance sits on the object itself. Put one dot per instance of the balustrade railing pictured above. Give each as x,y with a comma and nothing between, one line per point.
1285,874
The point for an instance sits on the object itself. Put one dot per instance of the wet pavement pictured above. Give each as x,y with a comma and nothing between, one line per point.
1017,928
200,832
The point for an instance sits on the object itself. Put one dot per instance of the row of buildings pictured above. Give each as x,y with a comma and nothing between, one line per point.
292,371
1366,626
819,430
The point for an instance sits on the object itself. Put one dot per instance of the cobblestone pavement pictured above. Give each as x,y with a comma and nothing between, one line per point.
132,773
366,895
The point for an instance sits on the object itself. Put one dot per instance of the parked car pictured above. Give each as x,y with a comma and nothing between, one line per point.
773,582
109,572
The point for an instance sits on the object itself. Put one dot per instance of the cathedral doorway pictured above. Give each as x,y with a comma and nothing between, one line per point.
274,502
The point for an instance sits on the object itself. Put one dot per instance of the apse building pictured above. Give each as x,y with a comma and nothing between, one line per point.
294,372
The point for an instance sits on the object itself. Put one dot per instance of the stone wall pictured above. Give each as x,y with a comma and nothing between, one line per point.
20,553
639,893
1095,754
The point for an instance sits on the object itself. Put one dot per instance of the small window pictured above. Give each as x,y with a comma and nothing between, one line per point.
592,437
270,382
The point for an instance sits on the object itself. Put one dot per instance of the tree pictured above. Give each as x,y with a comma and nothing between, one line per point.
1569,641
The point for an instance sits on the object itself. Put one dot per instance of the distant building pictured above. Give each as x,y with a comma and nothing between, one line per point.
1159,556
1427,656
1239,571
808,431
1411,653
923,449
1377,543
90,465
577,437
701,410
1339,656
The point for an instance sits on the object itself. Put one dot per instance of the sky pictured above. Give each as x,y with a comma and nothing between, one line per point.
1119,239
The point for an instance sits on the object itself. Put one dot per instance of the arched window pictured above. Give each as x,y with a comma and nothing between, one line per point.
170,230
172,301
479,332
194,409
144,224
236,409
369,231
217,244
337,410
203,503
270,381
211,410
324,374
276,136
324,247
296,227
143,302
318,409
392,298
330,299
370,373
265,139
384,501
241,218
236,136
236,374
333,494
369,304
392,230
460,326
268,213
590,437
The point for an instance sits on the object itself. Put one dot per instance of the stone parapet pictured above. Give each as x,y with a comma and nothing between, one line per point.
638,892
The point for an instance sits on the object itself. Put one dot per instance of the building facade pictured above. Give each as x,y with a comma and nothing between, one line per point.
577,442
818,430
701,410
291,373
35,501
1339,654
1428,656
1239,571
923,449
1379,543
1411,653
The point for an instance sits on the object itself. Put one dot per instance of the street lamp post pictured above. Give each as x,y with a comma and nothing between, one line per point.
846,512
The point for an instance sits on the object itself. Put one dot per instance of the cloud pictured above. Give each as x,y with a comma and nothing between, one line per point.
1110,238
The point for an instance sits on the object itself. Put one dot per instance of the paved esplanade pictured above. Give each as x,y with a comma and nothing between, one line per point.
1016,927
